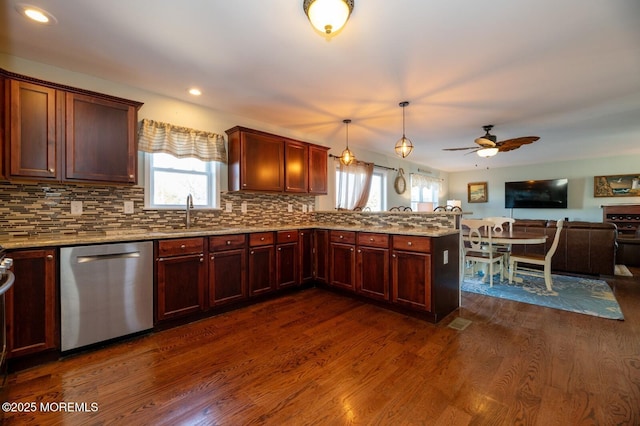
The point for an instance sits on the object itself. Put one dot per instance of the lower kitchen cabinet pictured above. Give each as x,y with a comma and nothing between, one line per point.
31,313
227,269
262,262
321,255
180,278
411,278
372,269
306,256
287,259
342,258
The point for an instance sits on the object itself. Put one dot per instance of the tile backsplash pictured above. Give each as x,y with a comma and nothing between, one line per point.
37,209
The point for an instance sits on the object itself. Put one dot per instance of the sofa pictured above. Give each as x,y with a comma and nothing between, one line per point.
584,248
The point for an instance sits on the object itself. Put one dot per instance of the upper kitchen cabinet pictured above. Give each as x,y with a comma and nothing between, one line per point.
260,161
59,133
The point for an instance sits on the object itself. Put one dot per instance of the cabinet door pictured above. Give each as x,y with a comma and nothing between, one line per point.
262,163
343,266
317,170
261,270
306,256
372,274
411,278
34,131
287,265
321,255
227,276
31,303
100,140
181,283
296,160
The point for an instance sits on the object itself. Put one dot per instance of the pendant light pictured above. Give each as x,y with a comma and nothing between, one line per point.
404,147
328,16
347,156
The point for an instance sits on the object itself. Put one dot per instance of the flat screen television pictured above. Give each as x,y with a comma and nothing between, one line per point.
536,194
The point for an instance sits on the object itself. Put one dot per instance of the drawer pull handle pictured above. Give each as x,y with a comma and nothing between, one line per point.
410,243
370,239
183,246
262,239
288,235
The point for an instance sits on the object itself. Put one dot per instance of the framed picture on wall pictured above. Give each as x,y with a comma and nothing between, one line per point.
616,186
477,192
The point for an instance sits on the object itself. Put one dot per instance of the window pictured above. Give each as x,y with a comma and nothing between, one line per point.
377,200
170,179
424,189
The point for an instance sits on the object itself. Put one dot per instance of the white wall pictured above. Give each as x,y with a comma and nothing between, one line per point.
582,205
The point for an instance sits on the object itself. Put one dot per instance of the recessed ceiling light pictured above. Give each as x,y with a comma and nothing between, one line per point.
195,92
36,14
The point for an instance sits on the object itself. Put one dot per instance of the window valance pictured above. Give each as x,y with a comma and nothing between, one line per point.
181,142
423,181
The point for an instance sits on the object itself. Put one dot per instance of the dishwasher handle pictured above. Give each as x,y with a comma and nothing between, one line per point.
97,257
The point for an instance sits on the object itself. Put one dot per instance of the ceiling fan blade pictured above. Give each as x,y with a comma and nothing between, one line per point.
459,149
511,144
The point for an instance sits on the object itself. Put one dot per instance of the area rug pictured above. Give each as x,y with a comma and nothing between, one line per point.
575,294
623,271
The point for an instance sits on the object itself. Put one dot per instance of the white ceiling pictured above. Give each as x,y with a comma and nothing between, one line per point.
567,71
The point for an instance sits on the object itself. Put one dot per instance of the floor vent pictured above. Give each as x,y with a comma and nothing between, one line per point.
459,324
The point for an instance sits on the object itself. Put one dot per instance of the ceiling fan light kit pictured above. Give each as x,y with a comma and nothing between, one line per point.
328,16
488,144
487,152
347,156
404,146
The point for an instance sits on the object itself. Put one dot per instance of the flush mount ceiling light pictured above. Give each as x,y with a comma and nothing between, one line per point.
328,16
195,91
347,156
404,145
36,14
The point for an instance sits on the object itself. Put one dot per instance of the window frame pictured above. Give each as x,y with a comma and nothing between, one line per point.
212,173
384,175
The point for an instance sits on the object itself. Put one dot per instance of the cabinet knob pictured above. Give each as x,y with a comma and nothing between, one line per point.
341,236
359,251
351,249
279,248
261,238
288,235
244,184
228,242
393,255
52,170
201,259
252,252
409,243
182,246
371,239
213,257
131,176
49,257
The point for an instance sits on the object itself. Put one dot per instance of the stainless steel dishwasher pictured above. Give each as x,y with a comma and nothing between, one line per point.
106,291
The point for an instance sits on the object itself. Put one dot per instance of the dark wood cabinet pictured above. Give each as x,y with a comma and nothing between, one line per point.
296,166
260,161
100,140
287,259
318,172
59,133
34,130
180,278
342,258
31,304
625,216
262,262
227,269
372,269
321,255
411,277
306,250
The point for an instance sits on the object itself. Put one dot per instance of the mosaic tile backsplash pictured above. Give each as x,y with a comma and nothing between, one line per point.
37,209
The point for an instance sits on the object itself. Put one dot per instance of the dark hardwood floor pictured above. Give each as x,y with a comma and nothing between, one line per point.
315,357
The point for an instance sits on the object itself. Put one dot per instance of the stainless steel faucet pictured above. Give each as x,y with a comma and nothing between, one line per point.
188,210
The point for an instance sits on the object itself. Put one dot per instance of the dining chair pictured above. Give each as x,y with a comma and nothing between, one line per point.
478,247
536,259
499,226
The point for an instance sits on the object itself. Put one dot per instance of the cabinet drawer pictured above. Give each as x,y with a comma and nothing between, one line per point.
226,242
370,239
260,239
287,236
347,237
412,243
180,246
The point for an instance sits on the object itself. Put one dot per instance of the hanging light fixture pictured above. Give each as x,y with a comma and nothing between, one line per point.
328,16
404,145
487,152
347,156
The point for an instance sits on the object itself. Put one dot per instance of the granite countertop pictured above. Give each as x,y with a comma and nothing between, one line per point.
123,235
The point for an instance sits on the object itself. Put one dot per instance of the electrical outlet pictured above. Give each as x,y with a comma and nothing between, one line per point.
290,208
76,207
128,207
310,208
304,208
243,207
228,207
446,257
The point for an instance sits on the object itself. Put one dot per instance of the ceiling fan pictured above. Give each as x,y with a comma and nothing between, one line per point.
488,145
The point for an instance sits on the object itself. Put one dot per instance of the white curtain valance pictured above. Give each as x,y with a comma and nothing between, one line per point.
180,142
422,181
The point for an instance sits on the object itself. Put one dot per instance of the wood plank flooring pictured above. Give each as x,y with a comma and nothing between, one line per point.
315,357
